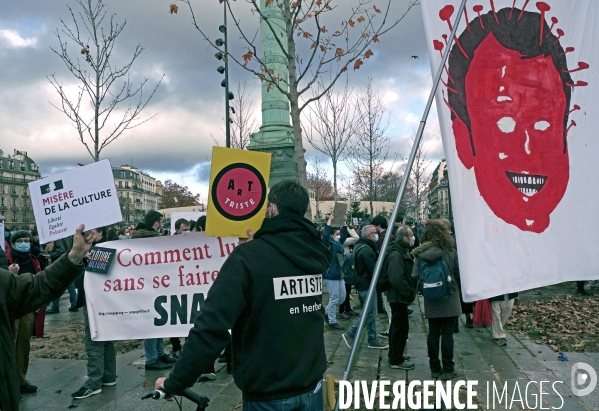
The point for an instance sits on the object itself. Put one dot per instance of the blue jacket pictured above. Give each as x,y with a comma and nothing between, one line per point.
336,247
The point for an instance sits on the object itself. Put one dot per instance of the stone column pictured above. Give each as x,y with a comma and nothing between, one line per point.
276,134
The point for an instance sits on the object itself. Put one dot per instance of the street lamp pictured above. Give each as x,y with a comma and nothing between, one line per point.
225,70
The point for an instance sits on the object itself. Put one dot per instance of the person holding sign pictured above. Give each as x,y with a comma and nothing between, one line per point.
26,293
333,240
269,293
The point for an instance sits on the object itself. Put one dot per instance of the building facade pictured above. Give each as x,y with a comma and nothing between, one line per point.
439,203
16,172
423,208
137,192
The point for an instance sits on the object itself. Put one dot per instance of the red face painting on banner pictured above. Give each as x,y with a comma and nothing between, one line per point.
509,91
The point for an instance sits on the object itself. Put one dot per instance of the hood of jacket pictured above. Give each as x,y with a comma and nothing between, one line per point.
144,234
298,240
428,251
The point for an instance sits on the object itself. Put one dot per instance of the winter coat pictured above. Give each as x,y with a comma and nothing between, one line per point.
449,307
79,282
36,249
3,259
61,247
419,229
351,240
269,293
399,265
20,295
365,261
37,267
336,247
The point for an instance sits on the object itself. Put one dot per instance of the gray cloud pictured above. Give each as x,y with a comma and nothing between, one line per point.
189,103
202,173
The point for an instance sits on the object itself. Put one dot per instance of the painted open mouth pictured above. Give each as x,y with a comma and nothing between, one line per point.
528,184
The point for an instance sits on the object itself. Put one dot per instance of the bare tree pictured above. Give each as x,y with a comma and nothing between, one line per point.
326,50
332,121
244,122
419,177
319,183
103,84
348,192
370,147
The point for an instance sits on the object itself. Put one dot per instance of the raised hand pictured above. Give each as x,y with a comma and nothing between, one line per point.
82,243
250,234
331,218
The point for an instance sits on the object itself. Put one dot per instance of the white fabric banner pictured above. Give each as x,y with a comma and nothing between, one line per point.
155,286
515,106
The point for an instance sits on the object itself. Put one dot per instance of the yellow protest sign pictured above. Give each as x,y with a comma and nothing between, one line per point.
238,188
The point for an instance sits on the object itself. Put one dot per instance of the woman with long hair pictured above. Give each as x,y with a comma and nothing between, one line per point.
438,245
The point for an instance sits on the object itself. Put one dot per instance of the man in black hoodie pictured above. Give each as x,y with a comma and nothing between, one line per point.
269,293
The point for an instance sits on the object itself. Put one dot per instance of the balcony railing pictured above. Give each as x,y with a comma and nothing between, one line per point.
13,180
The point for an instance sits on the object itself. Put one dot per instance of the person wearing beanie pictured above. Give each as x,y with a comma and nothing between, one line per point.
22,261
22,293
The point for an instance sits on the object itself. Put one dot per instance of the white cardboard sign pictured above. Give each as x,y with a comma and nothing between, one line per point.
155,286
84,195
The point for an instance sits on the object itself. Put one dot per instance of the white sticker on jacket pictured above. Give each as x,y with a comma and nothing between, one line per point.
296,287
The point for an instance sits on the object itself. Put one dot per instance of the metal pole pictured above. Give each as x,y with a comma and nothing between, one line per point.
227,108
402,188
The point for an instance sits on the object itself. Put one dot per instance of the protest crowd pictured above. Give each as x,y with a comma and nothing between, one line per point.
240,319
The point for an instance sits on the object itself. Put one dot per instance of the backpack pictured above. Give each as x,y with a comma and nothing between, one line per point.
348,267
435,283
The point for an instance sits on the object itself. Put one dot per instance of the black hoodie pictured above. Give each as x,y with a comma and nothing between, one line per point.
276,318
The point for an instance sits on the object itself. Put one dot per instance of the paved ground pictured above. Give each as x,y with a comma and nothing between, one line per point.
477,358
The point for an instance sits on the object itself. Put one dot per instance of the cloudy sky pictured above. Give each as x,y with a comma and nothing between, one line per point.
189,104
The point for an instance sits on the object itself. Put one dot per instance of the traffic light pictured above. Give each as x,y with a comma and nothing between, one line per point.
223,56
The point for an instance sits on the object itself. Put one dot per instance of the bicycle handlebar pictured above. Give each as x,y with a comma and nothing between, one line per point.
192,396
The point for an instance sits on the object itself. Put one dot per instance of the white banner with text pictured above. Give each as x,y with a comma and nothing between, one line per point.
155,286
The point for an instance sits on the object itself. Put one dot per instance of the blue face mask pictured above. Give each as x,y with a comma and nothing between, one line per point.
23,247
